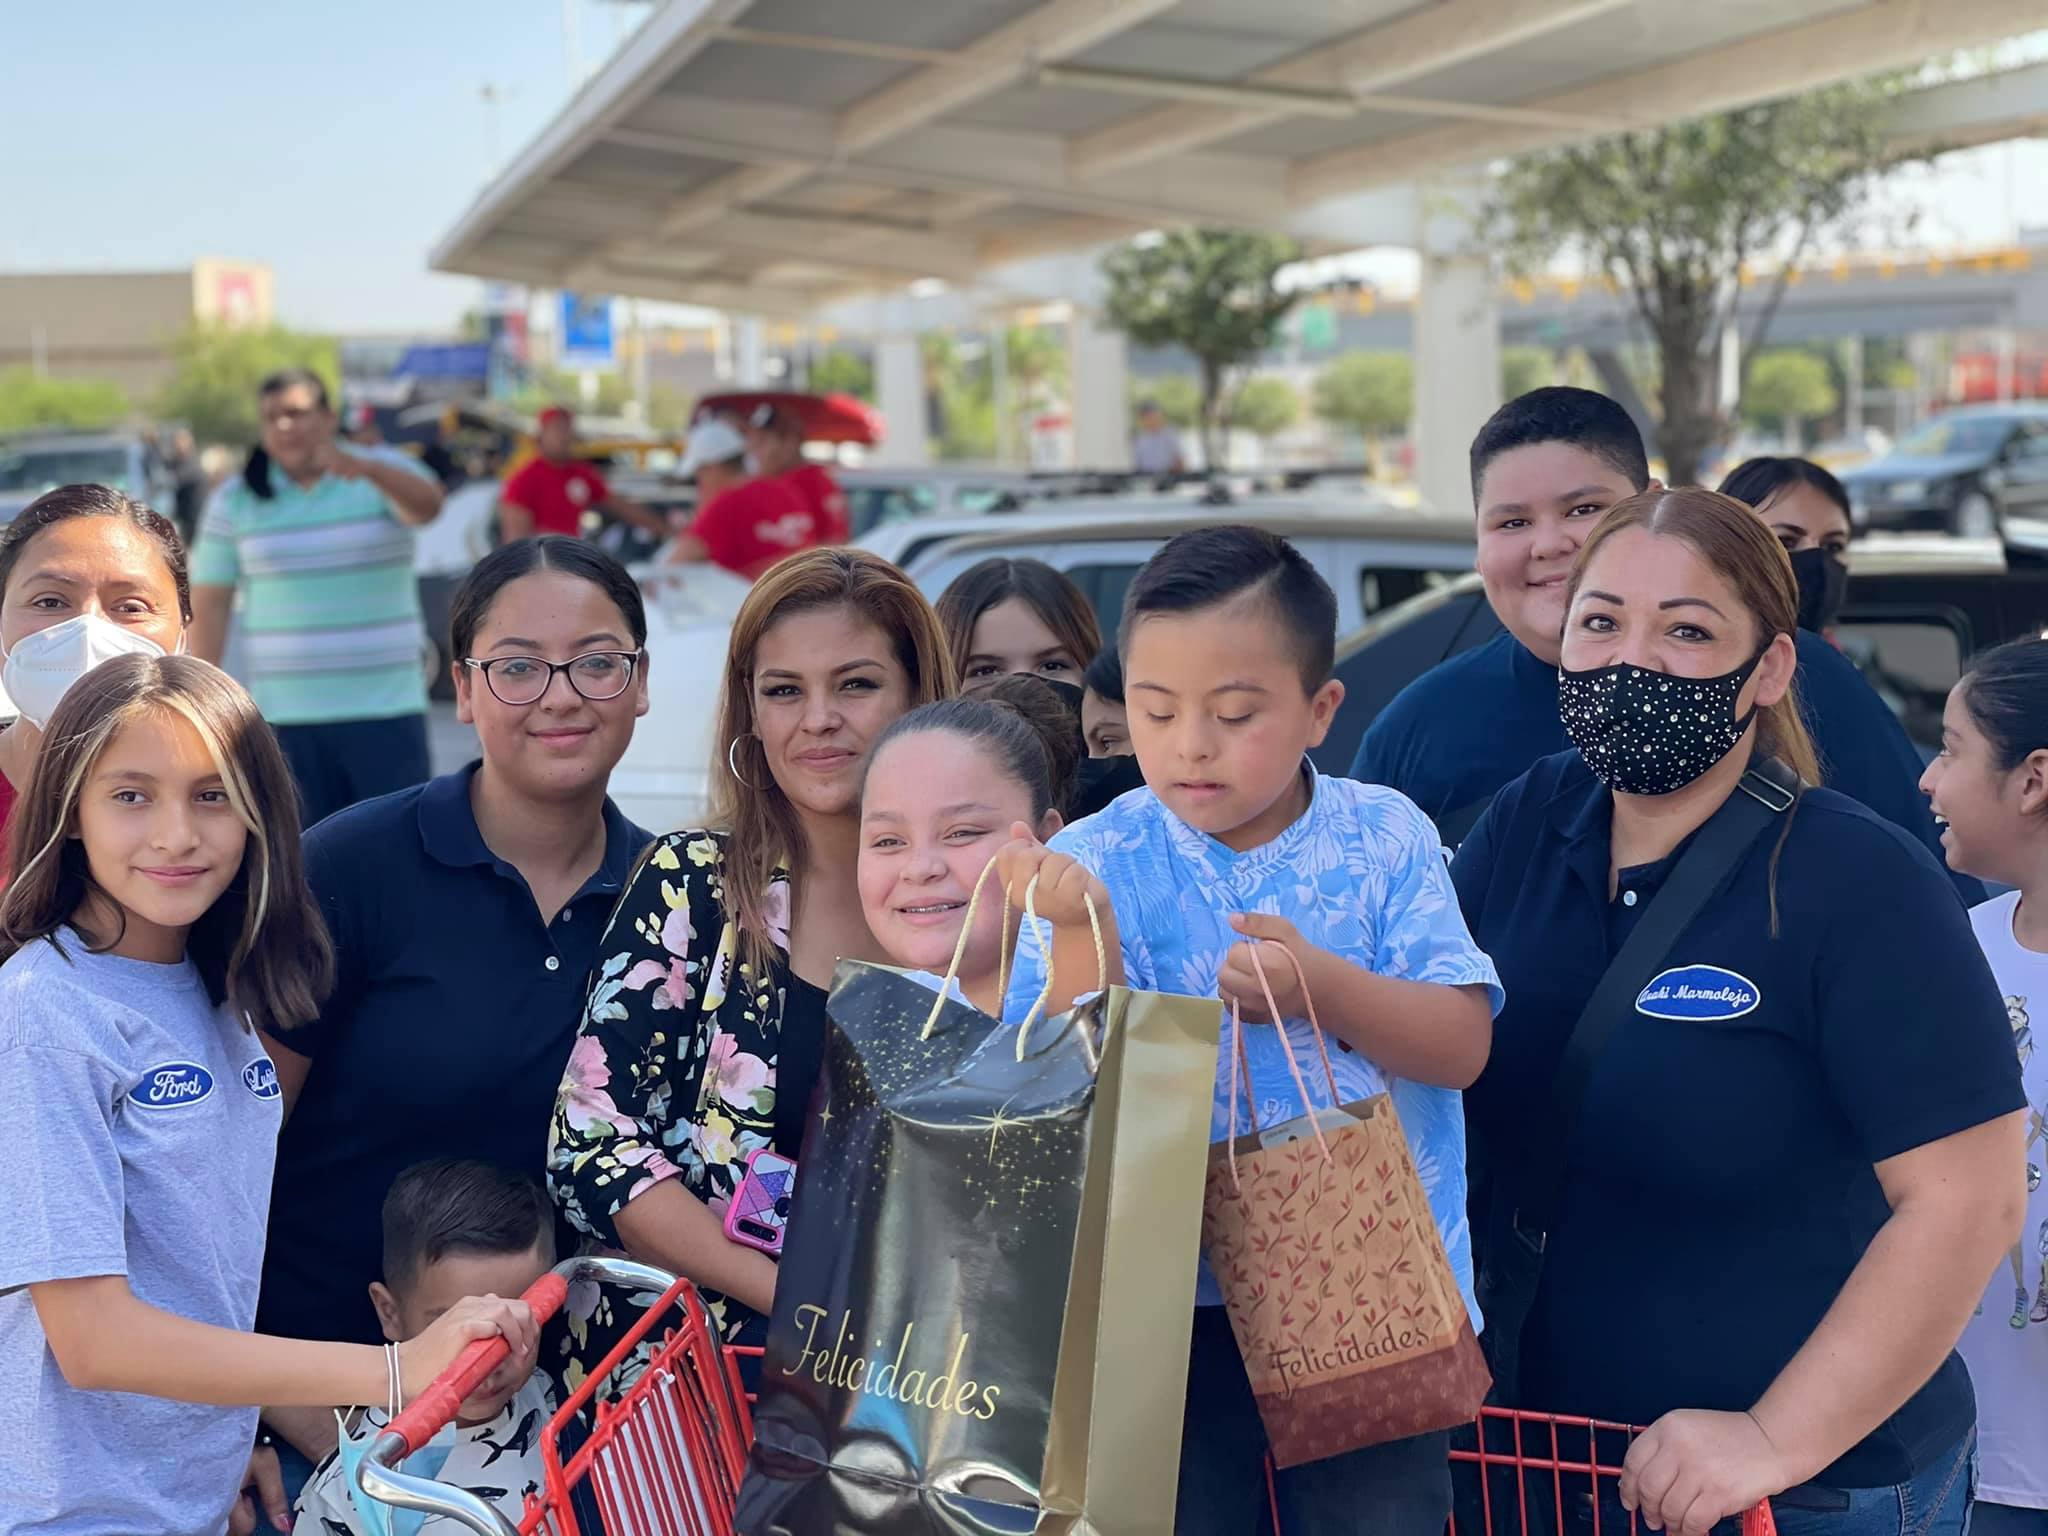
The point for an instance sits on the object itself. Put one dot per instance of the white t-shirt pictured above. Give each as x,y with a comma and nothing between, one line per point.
2006,1343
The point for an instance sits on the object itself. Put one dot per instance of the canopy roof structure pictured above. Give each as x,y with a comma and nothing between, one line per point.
774,156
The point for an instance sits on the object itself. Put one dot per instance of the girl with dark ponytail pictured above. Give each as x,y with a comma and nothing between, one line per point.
946,787
1989,789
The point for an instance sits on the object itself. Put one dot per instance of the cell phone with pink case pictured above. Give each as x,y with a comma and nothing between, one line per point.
759,1208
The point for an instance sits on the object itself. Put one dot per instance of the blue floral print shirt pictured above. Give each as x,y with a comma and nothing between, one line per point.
1361,874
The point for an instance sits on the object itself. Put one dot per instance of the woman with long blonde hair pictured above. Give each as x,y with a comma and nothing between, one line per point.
703,1033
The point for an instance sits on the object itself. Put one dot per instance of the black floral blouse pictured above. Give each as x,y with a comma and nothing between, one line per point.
673,1074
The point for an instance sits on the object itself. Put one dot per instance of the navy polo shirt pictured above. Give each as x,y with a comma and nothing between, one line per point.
1452,737
1719,1186
453,1012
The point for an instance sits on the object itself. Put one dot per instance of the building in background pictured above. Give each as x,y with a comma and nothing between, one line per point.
119,326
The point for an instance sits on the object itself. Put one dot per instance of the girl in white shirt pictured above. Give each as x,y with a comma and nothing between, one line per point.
1989,787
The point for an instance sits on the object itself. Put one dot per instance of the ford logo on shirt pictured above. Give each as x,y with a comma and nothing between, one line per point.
1699,992
260,1078
173,1085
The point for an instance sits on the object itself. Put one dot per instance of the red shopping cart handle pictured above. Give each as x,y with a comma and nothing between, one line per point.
422,1419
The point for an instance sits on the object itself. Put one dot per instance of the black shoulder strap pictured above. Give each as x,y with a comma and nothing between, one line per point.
1766,792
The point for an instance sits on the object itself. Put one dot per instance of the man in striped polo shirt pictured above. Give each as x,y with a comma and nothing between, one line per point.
320,541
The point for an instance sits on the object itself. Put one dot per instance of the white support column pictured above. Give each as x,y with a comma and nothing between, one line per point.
899,393
1852,385
1457,344
1099,367
749,352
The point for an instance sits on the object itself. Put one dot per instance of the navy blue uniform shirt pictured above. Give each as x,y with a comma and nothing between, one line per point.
453,1012
1464,728
1719,1185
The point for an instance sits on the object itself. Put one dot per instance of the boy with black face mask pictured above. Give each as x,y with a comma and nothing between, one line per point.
1545,469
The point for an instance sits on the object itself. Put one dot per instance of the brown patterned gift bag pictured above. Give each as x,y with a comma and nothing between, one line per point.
1343,1301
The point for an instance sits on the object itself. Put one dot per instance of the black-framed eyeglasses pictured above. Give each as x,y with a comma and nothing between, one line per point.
597,675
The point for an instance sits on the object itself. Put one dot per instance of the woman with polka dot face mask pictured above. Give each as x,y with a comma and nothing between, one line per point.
1792,1108
1666,668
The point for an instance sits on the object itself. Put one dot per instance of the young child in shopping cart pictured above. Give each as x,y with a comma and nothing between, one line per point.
156,921
452,1228
1237,841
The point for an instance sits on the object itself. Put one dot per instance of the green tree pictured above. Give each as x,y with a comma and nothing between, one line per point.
961,387
1369,392
1178,397
1036,359
1265,407
28,400
1525,368
1675,215
1789,387
1212,292
840,372
552,386
668,408
215,371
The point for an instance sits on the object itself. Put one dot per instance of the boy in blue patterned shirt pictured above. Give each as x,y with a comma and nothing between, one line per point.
1236,841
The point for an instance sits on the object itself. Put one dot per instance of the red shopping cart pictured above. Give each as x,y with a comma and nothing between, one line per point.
663,1453
658,1455
1544,1474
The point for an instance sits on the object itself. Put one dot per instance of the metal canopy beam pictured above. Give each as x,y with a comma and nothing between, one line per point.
1886,34
1418,43
1056,30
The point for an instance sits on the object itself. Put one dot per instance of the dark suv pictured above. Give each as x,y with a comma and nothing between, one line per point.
1971,471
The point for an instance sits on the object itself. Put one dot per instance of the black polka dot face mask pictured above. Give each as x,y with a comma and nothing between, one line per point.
1649,733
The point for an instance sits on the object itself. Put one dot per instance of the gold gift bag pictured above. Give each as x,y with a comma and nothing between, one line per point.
982,1317
1343,1301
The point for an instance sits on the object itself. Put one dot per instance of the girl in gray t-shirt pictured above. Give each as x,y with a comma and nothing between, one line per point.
156,920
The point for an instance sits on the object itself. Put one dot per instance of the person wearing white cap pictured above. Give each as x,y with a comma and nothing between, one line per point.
743,524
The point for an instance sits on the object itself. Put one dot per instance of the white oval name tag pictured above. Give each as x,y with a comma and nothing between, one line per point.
1699,993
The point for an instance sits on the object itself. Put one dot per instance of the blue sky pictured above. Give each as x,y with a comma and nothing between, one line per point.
339,142
336,142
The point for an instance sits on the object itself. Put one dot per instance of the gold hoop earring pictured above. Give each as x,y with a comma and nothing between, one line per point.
732,759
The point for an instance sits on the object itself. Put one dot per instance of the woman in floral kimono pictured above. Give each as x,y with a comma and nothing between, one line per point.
704,1029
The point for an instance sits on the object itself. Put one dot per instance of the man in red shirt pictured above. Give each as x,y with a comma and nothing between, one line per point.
742,524
776,441
550,494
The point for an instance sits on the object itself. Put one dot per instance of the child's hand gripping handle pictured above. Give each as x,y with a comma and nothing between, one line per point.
1003,958
425,1416
1240,1068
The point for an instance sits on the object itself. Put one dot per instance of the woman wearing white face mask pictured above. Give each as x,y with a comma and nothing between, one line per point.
86,574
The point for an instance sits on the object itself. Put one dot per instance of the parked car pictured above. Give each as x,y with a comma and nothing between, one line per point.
876,498
1971,471
31,465
663,781
1917,610
1375,554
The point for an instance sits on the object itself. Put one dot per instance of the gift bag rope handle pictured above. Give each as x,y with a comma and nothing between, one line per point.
1240,1068
1003,960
